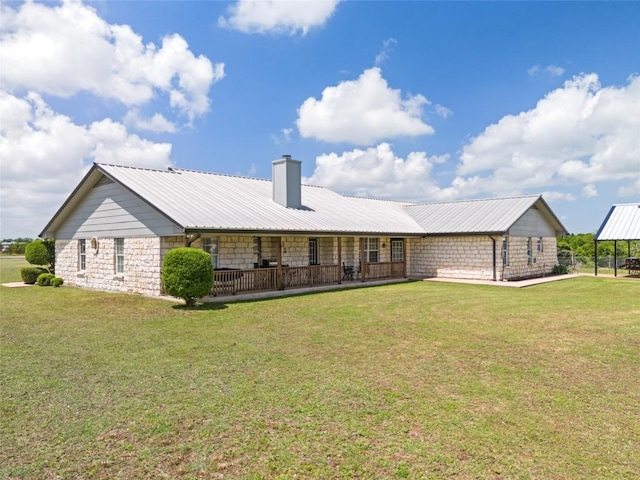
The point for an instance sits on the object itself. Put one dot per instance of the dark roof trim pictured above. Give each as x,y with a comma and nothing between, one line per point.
604,223
321,233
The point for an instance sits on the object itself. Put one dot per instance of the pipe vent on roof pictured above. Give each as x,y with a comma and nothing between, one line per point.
287,179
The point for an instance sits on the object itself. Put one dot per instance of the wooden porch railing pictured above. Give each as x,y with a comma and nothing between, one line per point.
230,282
375,271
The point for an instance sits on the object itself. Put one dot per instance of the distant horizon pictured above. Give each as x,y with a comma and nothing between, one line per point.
409,101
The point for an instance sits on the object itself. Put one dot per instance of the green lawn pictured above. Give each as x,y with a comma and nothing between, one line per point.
418,380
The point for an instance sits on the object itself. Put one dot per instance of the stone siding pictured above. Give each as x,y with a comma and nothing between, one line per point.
519,265
471,257
142,265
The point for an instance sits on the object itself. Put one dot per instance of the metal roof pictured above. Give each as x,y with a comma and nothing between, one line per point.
621,223
215,202
208,201
495,215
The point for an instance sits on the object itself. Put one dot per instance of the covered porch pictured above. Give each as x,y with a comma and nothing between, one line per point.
248,264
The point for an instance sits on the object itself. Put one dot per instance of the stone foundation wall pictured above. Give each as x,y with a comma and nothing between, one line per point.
142,265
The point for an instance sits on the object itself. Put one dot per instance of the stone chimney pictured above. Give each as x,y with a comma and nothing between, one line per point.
287,179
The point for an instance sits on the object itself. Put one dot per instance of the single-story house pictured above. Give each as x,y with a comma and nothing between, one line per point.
622,224
114,230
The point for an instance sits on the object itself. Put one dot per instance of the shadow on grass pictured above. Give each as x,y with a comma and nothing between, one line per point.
293,292
201,306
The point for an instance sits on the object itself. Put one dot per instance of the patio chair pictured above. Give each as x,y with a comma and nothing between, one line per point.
347,272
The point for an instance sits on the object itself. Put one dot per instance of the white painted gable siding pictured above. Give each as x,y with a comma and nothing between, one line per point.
111,210
532,224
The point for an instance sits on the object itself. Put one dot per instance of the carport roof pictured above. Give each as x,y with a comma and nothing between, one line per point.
621,223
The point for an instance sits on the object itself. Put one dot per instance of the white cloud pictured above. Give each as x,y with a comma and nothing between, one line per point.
45,154
278,16
630,190
157,123
383,54
66,49
590,190
551,70
378,172
444,112
553,196
362,112
283,137
580,133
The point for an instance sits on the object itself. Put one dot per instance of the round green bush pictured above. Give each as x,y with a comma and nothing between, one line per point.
44,279
187,273
37,253
56,282
30,274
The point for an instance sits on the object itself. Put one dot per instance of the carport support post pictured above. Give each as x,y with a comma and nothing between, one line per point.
615,258
596,256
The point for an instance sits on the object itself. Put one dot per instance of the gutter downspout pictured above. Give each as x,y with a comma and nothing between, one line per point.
190,238
495,274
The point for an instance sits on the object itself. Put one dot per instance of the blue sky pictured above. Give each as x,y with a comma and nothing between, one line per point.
423,101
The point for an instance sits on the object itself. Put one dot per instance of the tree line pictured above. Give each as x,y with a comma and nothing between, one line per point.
583,245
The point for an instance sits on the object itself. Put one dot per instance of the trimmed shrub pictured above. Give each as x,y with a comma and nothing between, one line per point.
56,282
44,279
560,269
30,274
187,273
38,253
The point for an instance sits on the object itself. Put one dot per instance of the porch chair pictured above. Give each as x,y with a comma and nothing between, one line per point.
347,272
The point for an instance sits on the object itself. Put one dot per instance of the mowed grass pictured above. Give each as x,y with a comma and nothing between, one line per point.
418,380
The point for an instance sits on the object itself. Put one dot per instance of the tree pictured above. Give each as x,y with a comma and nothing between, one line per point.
39,253
187,273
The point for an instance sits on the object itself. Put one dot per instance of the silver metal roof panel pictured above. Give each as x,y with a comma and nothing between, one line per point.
208,201
621,223
494,215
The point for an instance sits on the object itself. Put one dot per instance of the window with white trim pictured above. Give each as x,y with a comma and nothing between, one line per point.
82,255
210,245
505,251
530,258
119,251
313,251
397,250
371,250
539,245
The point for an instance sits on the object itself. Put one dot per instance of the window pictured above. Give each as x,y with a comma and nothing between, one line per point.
313,251
505,251
397,250
530,258
539,246
119,242
371,250
210,245
82,255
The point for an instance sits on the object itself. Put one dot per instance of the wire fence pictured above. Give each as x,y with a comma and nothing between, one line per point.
587,264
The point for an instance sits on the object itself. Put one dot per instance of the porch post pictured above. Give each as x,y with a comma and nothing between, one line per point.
339,260
405,247
363,261
279,277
